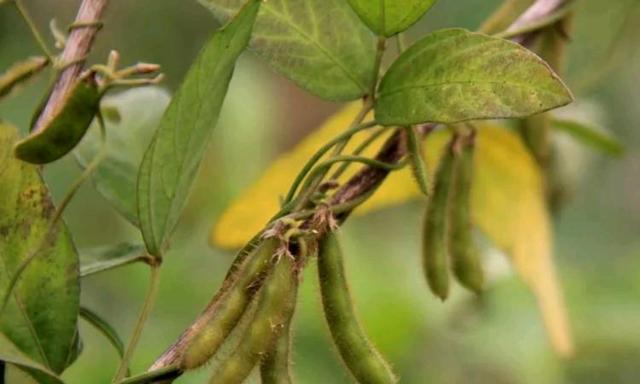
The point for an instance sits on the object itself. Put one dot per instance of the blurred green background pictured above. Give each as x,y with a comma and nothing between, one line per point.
498,339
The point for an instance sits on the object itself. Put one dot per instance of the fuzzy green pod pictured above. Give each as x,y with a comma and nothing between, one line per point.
21,72
434,247
416,160
231,306
275,366
275,306
358,353
66,128
464,256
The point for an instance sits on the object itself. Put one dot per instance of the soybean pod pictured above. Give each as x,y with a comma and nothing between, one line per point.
416,160
275,367
464,256
275,305
21,72
64,130
359,355
434,247
231,306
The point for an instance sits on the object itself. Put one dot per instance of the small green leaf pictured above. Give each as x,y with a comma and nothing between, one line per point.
20,72
109,257
589,136
105,328
64,130
388,17
41,315
12,355
455,75
171,161
319,44
139,111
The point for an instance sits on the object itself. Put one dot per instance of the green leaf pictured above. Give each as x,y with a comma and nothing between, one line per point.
65,128
12,355
41,315
104,258
105,328
170,164
319,44
589,136
388,17
135,114
454,75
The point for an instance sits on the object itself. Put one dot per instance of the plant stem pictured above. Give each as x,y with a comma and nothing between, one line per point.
382,41
152,376
538,11
400,43
34,29
353,129
537,25
321,168
97,267
364,145
147,306
367,106
335,209
104,328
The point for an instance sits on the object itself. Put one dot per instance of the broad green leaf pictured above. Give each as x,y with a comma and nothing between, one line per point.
104,258
453,75
507,204
319,44
171,161
40,318
131,120
105,328
589,136
64,129
388,17
12,355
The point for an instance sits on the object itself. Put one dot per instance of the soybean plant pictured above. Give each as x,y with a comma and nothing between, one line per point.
416,109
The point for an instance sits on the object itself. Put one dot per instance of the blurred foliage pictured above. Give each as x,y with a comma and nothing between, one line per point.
496,339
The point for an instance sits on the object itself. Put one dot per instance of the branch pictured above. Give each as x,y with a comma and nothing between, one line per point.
77,48
538,11
363,183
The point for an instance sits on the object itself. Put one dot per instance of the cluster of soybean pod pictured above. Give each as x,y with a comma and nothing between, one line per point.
257,299
259,294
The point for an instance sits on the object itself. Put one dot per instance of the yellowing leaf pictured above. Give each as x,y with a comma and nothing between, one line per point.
507,205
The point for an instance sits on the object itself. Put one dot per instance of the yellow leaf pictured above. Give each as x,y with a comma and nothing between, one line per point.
507,205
